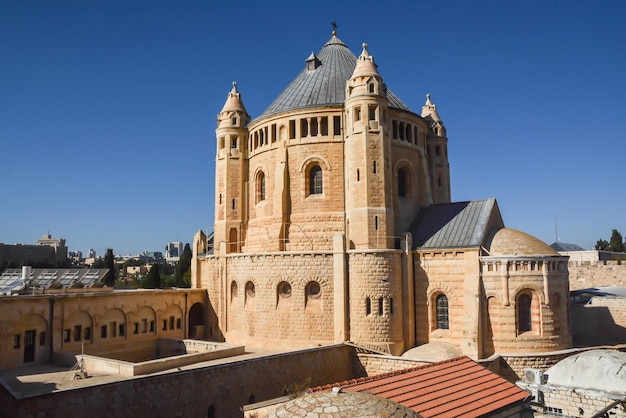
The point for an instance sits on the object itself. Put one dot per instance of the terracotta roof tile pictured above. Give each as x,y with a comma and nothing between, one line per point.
457,387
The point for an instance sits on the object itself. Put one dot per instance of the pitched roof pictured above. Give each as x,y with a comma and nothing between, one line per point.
457,387
325,85
460,224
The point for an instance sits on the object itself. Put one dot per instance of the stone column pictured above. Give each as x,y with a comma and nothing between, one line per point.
340,286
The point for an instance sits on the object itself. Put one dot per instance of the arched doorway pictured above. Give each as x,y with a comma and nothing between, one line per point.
196,322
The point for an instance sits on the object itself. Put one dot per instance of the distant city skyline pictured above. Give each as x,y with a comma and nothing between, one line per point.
107,112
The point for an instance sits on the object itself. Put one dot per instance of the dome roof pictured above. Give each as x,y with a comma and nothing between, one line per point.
434,351
337,403
513,242
601,370
324,83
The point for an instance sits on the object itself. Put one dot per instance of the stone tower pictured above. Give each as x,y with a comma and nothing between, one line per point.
369,207
230,172
438,153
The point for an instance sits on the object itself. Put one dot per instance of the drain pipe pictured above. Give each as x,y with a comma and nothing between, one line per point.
51,330
185,331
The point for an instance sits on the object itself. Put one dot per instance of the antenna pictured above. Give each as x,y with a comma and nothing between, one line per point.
556,229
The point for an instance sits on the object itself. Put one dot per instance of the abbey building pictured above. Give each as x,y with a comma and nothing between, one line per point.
334,222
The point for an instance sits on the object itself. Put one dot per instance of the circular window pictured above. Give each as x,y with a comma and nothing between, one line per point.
313,290
250,289
284,289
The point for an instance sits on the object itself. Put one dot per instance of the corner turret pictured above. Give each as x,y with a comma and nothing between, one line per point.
231,172
369,204
437,144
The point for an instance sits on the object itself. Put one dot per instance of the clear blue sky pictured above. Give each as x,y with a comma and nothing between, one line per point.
108,108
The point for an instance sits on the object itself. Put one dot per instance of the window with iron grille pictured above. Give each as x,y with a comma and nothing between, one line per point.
315,180
441,304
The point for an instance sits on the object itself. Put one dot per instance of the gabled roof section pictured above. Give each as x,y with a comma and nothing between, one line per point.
460,224
457,387
325,85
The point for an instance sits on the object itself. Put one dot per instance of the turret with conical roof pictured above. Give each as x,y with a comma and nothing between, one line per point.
369,205
438,153
230,171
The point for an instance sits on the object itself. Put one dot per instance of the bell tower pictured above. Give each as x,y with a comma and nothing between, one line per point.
231,173
437,145
369,205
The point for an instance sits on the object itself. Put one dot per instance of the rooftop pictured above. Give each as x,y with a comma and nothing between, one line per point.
457,387
323,82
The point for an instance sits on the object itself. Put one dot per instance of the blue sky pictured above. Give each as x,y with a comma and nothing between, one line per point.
108,108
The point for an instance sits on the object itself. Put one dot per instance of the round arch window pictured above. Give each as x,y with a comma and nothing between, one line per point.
250,289
284,289
313,290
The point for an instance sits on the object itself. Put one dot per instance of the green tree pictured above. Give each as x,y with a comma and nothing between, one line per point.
616,244
182,268
602,245
109,263
153,278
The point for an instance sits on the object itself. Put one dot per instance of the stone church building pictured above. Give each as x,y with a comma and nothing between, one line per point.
334,222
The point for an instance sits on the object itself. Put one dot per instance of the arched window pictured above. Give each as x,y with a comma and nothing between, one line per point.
368,306
524,319
233,290
260,187
402,182
441,305
313,299
315,180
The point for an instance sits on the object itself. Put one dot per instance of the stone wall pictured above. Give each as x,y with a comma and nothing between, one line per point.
373,364
601,321
571,403
32,327
592,274
256,307
222,388
375,288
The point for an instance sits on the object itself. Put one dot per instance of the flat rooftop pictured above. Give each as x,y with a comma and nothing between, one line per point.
42,379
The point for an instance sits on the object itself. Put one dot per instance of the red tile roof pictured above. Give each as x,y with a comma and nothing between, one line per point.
458,387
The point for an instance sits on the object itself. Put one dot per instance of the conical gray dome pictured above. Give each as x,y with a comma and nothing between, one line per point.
324,83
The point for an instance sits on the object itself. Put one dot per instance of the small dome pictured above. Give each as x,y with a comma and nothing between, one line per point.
513,242
601,370
434,351
337,403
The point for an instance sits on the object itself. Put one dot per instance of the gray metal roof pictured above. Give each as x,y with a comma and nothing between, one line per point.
460,224
11,280
326,84
562,246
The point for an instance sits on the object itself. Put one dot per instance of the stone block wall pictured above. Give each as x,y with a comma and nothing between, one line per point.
601,321
440,272
373,364
592,274
375,288
222,388
571,403
97,323
260,310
